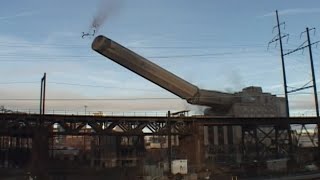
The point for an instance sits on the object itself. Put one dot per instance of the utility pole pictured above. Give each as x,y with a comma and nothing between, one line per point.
43,94
40,146
169,143
312,70
279,38
314,84
283,66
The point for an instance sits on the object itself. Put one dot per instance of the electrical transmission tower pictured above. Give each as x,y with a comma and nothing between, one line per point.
314,84
304,45
307,44
279,38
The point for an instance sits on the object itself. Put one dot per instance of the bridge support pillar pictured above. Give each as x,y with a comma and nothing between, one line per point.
40,153
192,147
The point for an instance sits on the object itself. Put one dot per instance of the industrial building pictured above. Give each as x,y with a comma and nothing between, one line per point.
223,142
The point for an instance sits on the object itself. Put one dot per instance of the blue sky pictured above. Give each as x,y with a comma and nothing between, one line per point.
219,45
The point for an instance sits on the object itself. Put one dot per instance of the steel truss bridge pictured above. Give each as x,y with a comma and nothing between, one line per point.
11,124
282,140
253,131
24,124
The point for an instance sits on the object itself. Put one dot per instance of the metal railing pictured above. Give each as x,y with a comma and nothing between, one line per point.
87,113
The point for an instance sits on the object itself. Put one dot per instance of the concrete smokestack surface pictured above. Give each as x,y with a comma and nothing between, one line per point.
163,78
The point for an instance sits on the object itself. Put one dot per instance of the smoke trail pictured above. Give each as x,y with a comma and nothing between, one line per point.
236,81
105,9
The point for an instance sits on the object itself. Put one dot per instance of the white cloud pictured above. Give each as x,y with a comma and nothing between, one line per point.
76,101
302,105
62,37
20,14
294,11
22,59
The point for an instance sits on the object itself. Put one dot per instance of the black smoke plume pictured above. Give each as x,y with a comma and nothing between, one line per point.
105,9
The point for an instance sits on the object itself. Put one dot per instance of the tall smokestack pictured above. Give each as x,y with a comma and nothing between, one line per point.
163,78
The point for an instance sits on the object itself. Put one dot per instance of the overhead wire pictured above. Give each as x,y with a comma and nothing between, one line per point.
144,47
80,85
29,44
100,86
158,57
69,57
66,58
132,99
27,82
13,44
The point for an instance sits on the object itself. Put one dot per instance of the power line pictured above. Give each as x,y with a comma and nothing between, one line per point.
13,44
75,46
80,85
31,82
140,98
67,57
99,86
112,99
148,47
241,51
